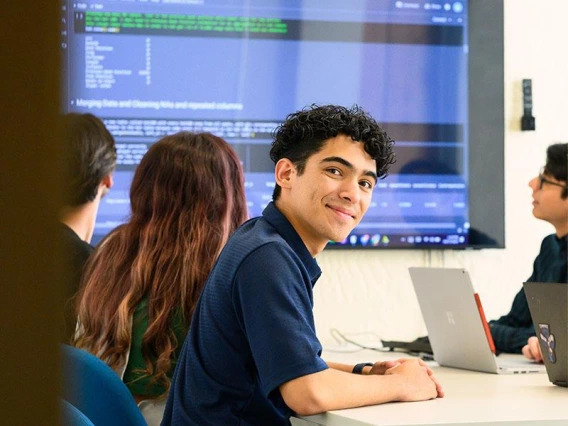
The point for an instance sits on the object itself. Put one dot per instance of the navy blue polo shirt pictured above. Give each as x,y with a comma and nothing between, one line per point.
252,330
511,332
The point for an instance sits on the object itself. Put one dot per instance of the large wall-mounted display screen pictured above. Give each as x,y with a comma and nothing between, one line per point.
236,68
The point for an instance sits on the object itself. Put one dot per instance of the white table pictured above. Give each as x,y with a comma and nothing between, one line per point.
472,398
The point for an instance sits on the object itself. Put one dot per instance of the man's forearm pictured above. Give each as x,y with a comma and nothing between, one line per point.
332,389
347,368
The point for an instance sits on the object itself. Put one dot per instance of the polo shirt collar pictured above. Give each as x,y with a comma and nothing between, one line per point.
273,216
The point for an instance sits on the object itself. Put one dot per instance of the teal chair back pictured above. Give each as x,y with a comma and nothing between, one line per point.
71,416
97,391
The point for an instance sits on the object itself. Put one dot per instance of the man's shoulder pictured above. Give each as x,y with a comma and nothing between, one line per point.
73,244
552,252
253,246
550,242
549,238
255,234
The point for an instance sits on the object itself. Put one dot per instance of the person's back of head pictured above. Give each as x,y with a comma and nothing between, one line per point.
305,132
194,176
89,155
187,196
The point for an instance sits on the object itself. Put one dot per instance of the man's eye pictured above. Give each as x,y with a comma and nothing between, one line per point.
334,171
366,184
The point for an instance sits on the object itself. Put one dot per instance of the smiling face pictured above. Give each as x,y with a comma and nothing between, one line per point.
332,194
548,204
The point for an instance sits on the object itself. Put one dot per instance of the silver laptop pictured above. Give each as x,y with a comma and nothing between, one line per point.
455,327
548,303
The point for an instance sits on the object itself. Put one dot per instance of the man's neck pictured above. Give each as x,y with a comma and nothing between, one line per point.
314,247
81,219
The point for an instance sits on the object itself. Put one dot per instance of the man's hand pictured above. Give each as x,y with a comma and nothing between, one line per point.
532,349
381,367
419,380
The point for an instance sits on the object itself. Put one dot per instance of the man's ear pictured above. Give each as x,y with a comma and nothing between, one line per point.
284,172
106,184
108,181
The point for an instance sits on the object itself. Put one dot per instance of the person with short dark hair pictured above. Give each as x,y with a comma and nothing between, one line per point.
252,356
89,156
512,332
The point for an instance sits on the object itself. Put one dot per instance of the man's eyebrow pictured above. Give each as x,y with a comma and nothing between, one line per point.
350,166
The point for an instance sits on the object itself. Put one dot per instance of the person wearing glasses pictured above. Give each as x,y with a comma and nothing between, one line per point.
514,332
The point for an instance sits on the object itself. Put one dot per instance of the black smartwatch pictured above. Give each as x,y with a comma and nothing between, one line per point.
358,369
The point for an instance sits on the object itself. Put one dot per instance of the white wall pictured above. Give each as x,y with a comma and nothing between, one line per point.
370,292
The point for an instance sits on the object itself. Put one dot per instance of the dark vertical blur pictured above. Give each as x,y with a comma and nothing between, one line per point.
30,284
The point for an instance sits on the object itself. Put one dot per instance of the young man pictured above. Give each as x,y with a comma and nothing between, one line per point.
252,356
90,157
550,203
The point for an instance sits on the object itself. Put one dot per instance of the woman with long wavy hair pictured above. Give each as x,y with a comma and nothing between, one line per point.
141,284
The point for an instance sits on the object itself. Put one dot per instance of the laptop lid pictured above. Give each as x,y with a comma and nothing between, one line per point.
445,296
548,303
455,327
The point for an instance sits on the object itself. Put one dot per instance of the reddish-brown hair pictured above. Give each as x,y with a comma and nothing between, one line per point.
187,197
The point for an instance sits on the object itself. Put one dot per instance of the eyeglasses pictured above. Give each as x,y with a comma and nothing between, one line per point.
544,180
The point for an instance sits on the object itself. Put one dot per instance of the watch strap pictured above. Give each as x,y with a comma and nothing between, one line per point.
358,369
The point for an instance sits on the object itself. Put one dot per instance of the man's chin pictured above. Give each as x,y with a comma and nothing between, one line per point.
340,237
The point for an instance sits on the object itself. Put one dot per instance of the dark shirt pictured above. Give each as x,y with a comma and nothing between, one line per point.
76,252
135,376
253,330
511,332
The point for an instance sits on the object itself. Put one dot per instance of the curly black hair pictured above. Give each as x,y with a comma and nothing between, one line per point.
305,132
